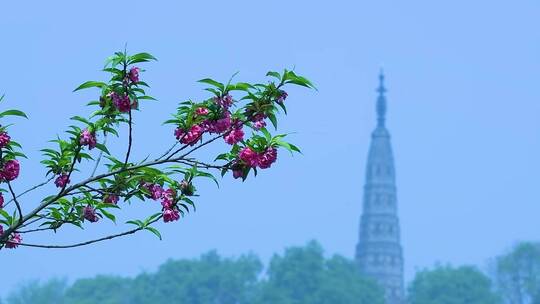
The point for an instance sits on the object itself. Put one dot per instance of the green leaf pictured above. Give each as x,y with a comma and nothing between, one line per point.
151,218
13,113
274,74
136,222
103,148
295,148
273,119
141,57
213,83
146,97
91,84
81,119
267,134
154,231
108,215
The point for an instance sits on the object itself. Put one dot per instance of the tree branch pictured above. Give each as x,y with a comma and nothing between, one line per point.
66,190
110,237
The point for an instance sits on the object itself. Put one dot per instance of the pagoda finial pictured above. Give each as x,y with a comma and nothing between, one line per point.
381,101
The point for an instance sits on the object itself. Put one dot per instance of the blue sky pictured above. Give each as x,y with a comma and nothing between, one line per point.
463,112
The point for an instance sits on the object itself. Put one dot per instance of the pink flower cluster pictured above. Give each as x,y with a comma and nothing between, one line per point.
122,102
201,111
62,180
236,135
4,139
225,102
253,159
111,199
218,126
134,74
1,202
249,157
89,213
88,138
156,191
10,171
13,241
258,121
238,170
283,95
170,213
190,137
267,158
187,188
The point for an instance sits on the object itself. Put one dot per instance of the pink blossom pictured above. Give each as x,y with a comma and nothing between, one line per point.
258,121
249,157
155,190
167,198
62,180
267,158
235,136
11,169
191,137
219,126
238,173
187,188
282,96
121,102
13,241
88,138
111,199
134,74
4,139
1,202
225,101
1,230
89,213
170,215
201,111
259,124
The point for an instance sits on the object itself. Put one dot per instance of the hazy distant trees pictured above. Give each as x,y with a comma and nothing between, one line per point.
517,274
448,285
50,292
302,275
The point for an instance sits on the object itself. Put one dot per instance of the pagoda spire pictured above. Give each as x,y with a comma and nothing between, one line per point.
381,101
379,254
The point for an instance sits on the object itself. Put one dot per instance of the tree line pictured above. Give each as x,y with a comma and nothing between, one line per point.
299,275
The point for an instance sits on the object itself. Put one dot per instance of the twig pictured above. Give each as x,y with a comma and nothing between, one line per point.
130,139
30,189
99,156
16,201
110,237
168,151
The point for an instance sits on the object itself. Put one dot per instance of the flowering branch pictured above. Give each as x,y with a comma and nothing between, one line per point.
168,179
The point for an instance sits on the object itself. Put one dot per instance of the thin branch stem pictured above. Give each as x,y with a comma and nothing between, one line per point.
130,139
110,237
16,201
168,151
30,189
99,156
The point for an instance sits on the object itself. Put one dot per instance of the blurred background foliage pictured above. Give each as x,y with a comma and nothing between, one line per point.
300,275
